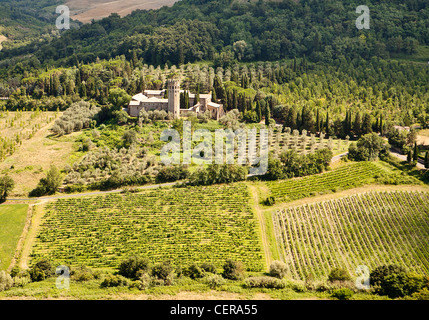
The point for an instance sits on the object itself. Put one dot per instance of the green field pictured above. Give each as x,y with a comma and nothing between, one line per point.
369,229
183,225
12,221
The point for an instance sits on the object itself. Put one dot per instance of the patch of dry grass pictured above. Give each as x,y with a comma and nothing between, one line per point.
83,11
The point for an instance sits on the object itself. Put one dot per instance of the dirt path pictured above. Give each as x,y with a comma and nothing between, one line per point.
29,234
21,240
261,219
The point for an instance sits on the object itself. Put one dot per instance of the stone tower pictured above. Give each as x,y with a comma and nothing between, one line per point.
174,98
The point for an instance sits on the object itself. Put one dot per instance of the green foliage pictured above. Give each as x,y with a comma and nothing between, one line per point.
264,282
395,282
118,98
215,281
114,281
208,267
215,173
6,281
48,185
269,201
6,185
342,294
77,117
83,273
172,173
163,271
290,164
194,271
233,270
131,266
41,270
368,148
278,269
338,274
129,138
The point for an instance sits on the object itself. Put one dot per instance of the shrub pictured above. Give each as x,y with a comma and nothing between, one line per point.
233,270
269,201
208,267
15,271
41,270
338,274
83,273
342,294
6,281
264,282
21,281
129,267
393,281
278,269
114,281
172,173
163,271
422,294
215,281
194,272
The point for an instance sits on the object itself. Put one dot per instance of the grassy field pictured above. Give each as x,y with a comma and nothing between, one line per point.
12,220
37,148
369,229
183,225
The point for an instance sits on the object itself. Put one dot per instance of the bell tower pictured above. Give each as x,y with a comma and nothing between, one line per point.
174,98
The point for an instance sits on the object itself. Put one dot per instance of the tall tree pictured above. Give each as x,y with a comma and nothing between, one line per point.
318,121
6,186
357,125
415,152
427,160
366,124
267,115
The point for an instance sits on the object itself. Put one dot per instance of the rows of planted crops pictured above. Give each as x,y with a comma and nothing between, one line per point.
372,229
183,225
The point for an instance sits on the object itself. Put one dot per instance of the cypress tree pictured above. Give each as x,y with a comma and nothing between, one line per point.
416,152
427,160
258,111
381,124
327,123
318,121
357,124
409,156
214,98
197,96
366,124
267,115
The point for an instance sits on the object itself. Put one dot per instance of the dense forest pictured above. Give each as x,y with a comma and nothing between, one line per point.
226,30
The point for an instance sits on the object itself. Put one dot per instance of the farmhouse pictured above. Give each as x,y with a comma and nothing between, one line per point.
151,100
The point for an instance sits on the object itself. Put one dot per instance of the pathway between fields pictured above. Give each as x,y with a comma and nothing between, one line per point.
261,218
153,186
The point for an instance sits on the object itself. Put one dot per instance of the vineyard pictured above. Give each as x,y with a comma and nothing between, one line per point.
196,224
369,229
345,177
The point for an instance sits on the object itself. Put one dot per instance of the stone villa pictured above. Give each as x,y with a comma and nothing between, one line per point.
154,100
